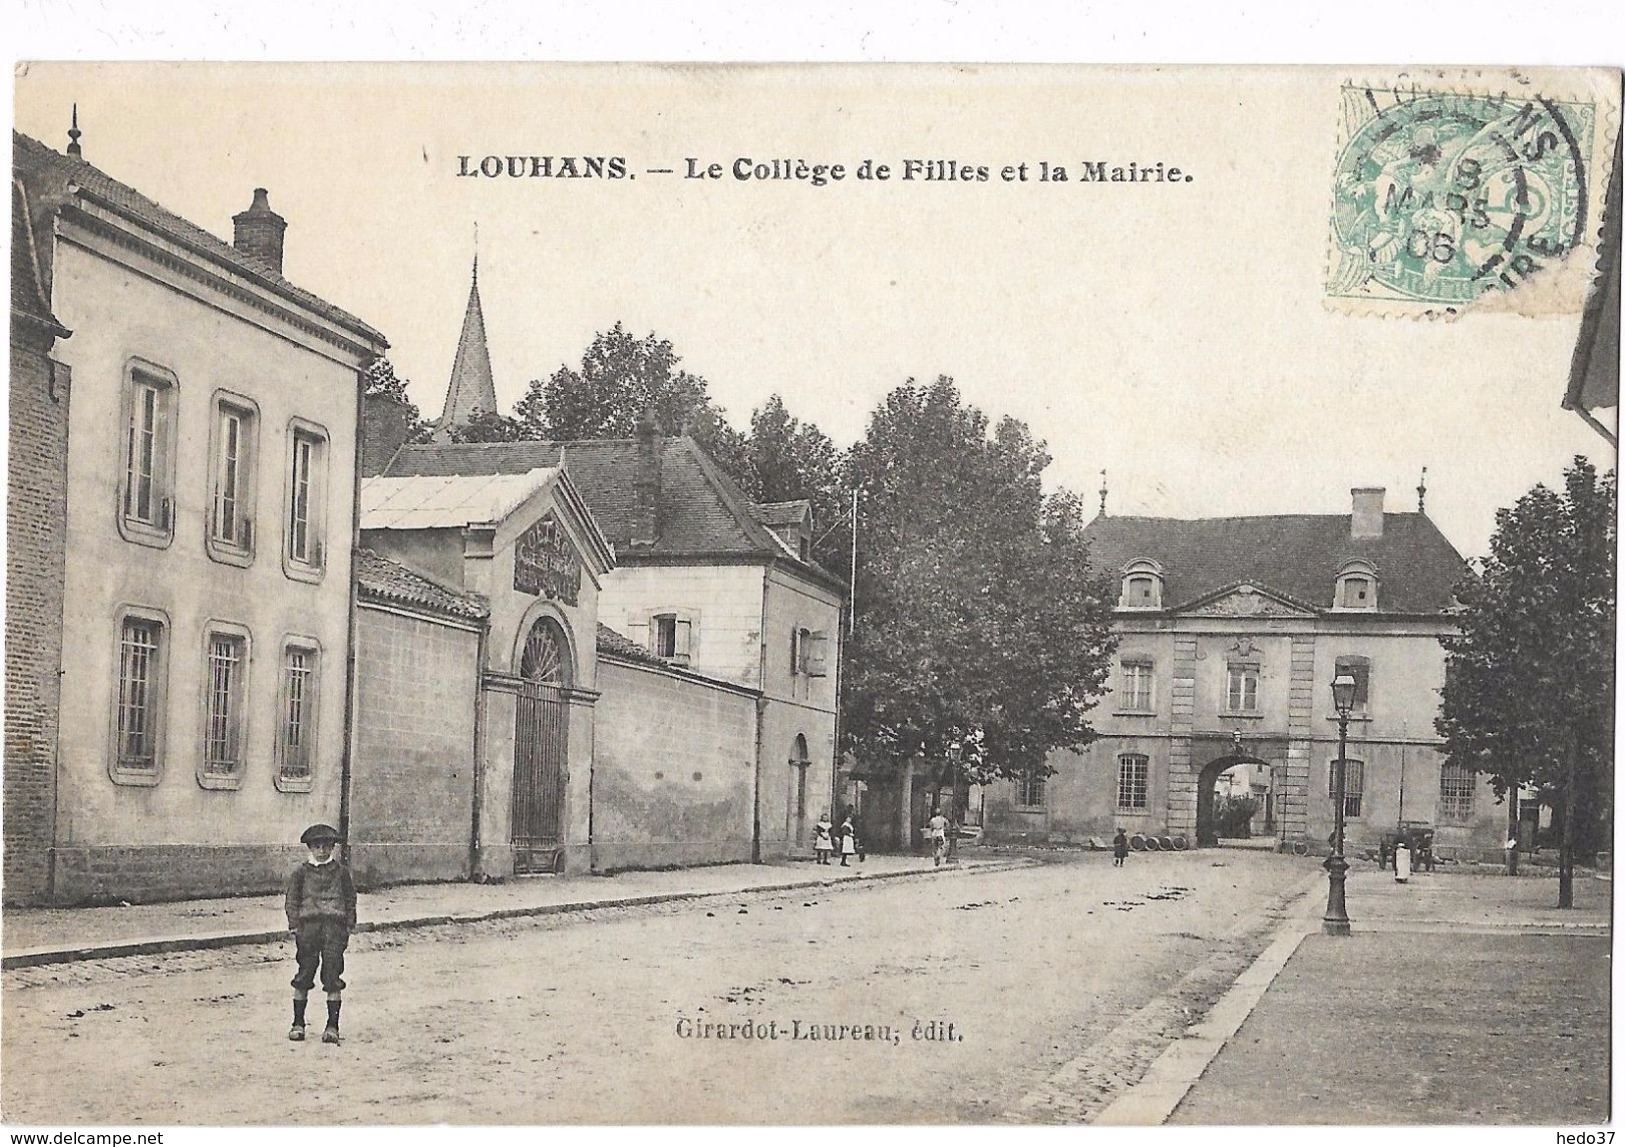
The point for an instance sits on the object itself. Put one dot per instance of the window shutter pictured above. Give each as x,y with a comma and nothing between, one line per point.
816,642
161,446
680,644
639,632
246,534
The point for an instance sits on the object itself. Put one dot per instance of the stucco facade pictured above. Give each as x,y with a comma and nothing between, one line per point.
753,625
1218,668
190,608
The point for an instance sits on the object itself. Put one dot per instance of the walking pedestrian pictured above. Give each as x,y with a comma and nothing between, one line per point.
320,904
849,842
822,844
1119,849
938,827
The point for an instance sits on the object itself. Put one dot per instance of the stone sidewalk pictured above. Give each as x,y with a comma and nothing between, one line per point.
34,936
1460,998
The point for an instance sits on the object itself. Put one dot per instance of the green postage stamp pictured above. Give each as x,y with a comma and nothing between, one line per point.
1478,191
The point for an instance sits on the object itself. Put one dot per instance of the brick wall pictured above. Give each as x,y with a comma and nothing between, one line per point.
36,505
412,779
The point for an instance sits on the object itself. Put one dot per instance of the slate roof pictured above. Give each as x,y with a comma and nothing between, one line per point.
782,513
381,579
472,387
426,502
702,512
1297,555
50,175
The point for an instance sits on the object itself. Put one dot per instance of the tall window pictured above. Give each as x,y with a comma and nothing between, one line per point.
307,475
1353,786
140,694
1030,789
1133,776
146,511
1137,684
1358,668
231,521
296,729
1241,687
1456,786
223,705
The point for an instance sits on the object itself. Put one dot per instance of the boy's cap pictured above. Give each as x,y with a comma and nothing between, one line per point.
320,834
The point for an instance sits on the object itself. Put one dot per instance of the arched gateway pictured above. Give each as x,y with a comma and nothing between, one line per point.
1206,829
540,748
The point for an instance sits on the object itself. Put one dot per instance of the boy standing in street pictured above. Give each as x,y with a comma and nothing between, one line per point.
321,913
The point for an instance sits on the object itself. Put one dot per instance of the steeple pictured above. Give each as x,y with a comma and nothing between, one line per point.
471,385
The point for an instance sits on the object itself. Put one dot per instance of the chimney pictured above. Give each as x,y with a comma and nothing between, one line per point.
258,232
646,483
384,430
1367,520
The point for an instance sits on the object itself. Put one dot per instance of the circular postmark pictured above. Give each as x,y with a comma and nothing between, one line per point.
1440,197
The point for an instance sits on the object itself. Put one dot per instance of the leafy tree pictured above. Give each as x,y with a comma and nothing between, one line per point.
381,380
978,621
620,377
489,426
1529,683
787,460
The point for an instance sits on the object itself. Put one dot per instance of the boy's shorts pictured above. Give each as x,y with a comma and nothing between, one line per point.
321,942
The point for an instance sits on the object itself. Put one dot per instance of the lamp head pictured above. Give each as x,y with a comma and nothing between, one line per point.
1343,694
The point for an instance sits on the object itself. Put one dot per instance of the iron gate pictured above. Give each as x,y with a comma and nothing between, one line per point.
541,735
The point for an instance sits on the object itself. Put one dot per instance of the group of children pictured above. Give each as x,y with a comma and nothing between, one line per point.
827,840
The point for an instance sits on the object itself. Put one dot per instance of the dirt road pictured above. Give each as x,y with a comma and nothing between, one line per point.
938,998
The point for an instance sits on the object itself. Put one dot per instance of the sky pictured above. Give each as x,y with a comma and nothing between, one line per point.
1174,334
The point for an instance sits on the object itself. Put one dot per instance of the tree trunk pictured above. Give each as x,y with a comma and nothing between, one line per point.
1512,832
1565,853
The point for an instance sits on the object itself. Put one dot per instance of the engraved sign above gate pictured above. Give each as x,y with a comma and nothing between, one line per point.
545,562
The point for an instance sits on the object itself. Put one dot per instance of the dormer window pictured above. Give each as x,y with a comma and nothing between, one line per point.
1142,585
1356,586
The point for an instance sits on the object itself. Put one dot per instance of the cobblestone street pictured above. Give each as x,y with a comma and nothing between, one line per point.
1060,983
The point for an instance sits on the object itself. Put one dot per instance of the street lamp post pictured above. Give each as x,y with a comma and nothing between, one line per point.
954,753
1336,920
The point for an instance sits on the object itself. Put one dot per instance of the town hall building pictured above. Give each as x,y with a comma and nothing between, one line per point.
1231,631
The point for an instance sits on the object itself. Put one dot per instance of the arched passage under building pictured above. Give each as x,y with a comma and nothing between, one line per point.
1207,835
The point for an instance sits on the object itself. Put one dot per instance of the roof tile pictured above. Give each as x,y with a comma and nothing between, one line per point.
381,579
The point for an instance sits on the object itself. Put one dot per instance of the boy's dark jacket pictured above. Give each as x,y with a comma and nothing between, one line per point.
321,892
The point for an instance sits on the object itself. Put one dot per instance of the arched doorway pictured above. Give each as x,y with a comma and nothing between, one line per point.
541,747
1207,835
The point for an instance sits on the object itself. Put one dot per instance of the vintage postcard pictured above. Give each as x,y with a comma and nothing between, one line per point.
809,595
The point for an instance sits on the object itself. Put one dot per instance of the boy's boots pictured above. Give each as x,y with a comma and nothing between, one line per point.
297,1031
331,1034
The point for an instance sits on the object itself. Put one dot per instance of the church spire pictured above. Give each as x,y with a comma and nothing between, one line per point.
471,386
